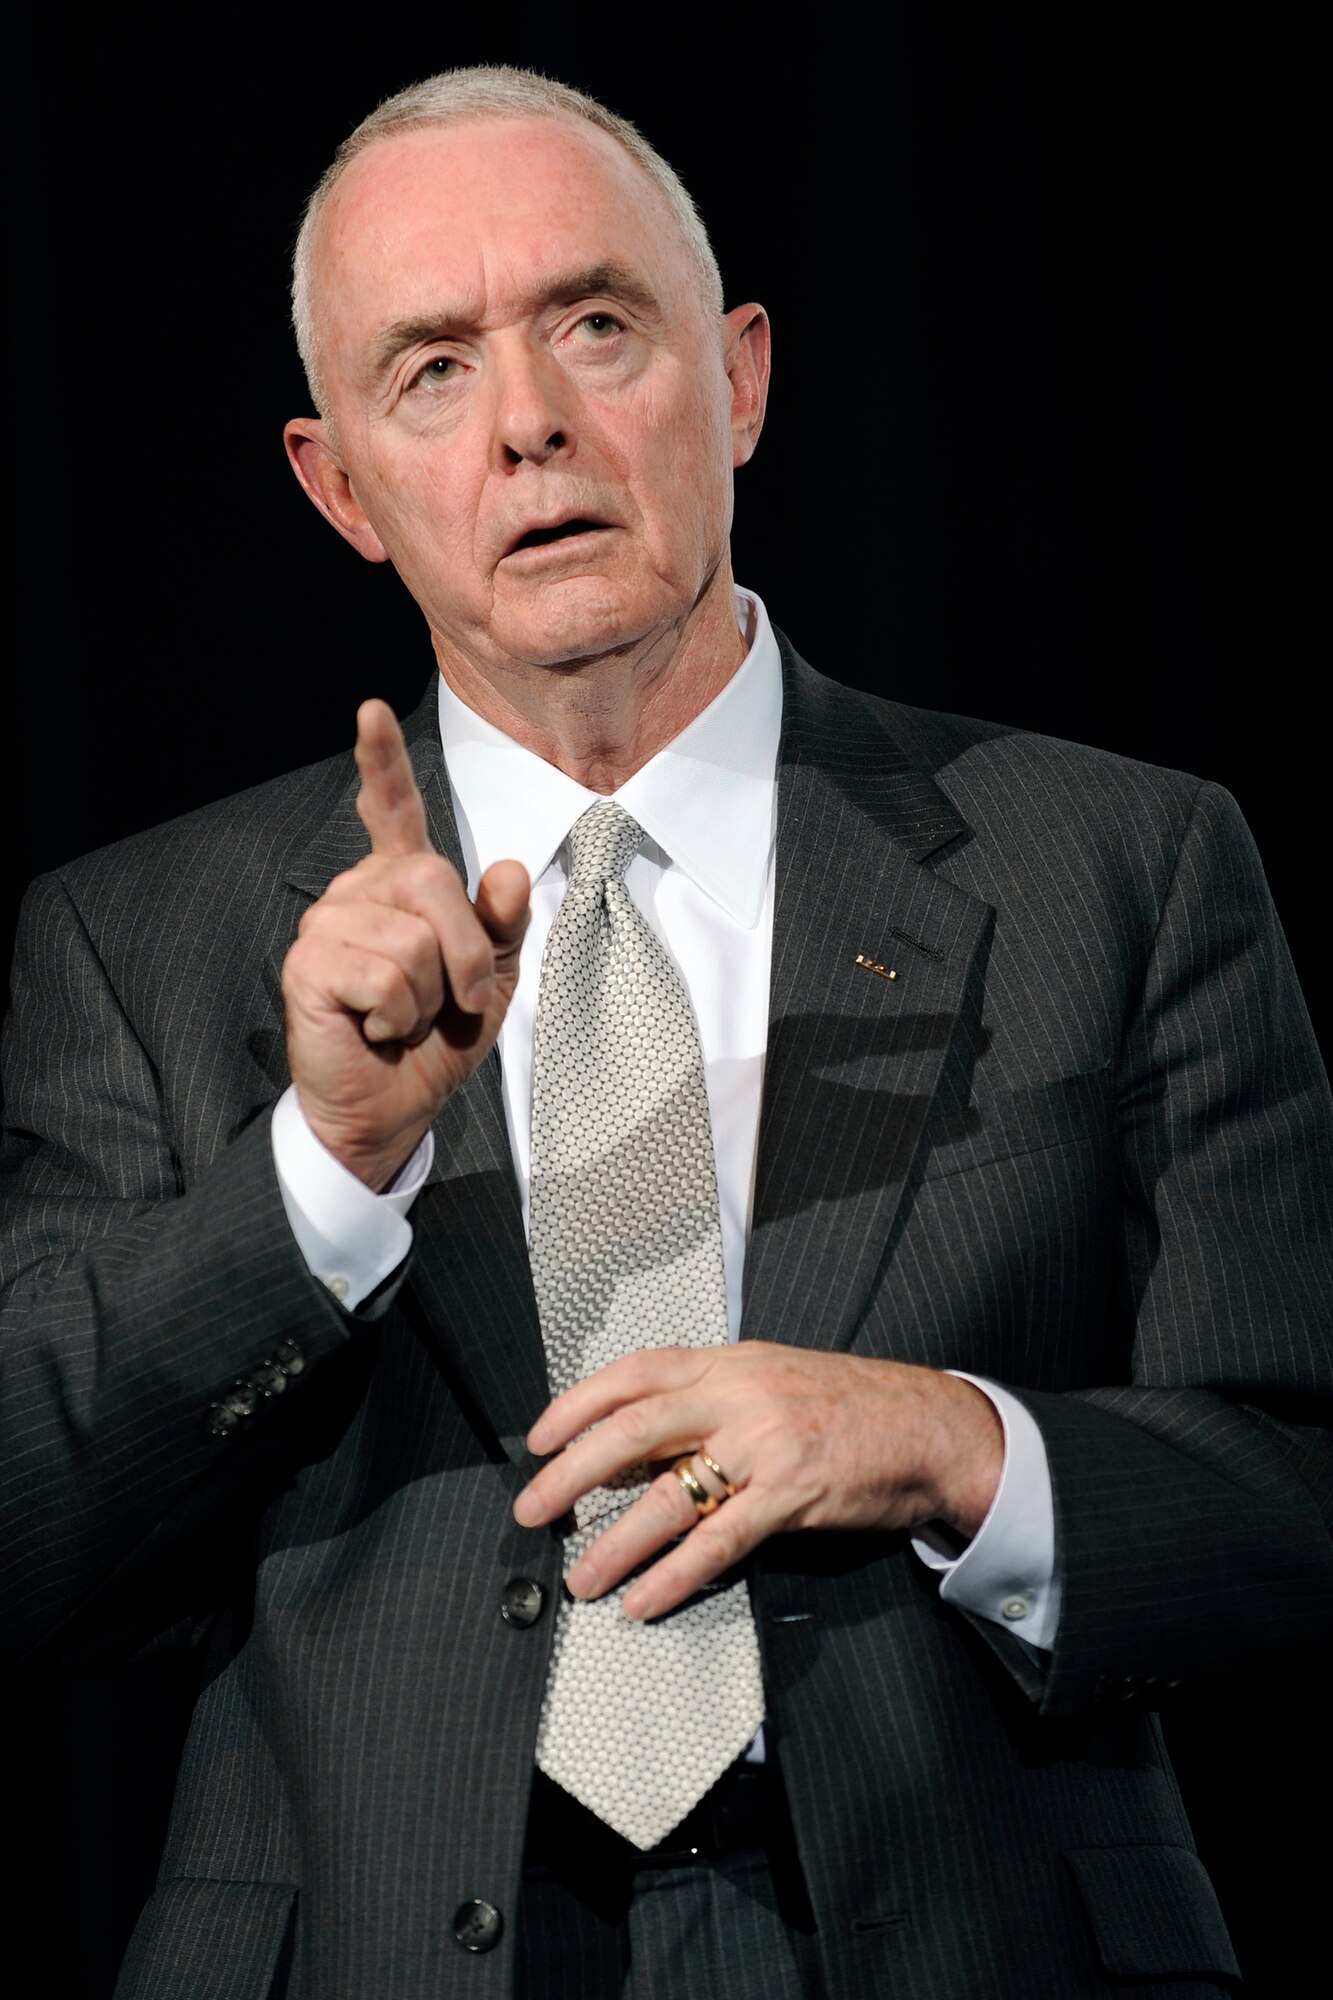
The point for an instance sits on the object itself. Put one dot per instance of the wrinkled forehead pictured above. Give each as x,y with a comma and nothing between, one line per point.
476,209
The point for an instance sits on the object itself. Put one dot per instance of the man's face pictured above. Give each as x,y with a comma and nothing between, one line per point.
532,411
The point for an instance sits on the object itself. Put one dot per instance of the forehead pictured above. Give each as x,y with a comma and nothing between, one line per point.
471,214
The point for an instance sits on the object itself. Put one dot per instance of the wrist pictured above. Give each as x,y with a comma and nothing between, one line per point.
377,1161
969,1457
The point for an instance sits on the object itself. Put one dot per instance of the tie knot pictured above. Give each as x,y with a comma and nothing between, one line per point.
602,844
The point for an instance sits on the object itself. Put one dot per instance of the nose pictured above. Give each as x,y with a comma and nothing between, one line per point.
533,415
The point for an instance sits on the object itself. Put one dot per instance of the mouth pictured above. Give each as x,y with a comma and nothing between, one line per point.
560,531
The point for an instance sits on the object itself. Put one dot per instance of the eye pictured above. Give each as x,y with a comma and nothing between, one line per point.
599,325
440,368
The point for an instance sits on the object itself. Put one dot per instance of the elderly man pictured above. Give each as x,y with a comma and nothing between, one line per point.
697,1289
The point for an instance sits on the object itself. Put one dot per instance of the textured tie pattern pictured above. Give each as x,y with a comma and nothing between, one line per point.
626,1246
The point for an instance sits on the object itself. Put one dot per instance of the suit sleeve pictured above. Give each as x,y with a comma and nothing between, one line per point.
166,1357
1193,1500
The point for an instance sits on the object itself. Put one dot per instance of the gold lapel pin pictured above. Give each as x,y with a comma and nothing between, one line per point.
885,972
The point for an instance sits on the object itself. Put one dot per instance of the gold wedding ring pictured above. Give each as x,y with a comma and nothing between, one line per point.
716,1471
704,1501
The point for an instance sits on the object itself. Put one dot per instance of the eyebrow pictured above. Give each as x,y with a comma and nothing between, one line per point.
610,279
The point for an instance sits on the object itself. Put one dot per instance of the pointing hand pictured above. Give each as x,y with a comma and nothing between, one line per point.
397,985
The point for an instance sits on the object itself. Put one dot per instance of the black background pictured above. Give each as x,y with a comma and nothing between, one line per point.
1045,445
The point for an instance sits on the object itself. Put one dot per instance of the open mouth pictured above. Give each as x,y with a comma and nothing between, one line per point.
537,538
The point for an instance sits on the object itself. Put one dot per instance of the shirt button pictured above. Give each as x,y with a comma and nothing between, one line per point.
337,1284
477,1925
521,1601
1016,1607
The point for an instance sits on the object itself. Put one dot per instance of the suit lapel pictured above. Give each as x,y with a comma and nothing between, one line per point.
854,1056
469,1288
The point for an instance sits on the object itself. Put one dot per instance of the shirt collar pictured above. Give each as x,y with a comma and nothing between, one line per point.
707,800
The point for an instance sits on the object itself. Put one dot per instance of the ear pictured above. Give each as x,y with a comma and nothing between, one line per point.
316,463
745,356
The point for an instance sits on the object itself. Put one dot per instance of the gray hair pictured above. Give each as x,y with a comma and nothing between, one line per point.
486,92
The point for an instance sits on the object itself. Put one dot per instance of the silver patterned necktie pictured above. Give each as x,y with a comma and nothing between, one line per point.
639,1719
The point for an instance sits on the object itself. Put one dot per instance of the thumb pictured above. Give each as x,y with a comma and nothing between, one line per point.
502,905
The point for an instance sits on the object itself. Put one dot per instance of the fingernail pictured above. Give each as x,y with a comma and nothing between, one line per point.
479,994
582,1581
638,1602
528,1511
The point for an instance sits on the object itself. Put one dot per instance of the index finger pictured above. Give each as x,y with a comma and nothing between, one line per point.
388,803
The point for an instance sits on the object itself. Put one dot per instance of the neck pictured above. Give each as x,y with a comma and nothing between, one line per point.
600,719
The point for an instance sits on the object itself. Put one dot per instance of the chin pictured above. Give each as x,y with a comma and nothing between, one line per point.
580,624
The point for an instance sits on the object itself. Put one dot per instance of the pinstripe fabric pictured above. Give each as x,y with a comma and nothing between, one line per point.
1079,1145
687,1931
713,1930
233,1934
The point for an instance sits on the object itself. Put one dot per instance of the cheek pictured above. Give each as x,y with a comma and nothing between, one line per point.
420,511
686,464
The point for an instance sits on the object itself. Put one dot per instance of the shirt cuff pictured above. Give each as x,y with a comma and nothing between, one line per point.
1007,1571
351,1237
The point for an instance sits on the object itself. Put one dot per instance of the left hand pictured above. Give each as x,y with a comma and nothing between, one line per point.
809,1440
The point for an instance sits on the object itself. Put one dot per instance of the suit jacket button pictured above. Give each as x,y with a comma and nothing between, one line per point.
478,1926
521,1601
243,1399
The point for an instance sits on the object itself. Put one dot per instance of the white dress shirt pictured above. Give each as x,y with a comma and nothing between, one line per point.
704,881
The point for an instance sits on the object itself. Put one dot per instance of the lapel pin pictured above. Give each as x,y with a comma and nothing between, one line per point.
885,972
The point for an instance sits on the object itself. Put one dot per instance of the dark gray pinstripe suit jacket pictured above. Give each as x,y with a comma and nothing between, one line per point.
1076,1146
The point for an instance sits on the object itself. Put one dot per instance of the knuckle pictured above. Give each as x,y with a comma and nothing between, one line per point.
428,874
727,1541
415,933
324,919
384,980
641,1373
296,966
636,1427
390,932
421,950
